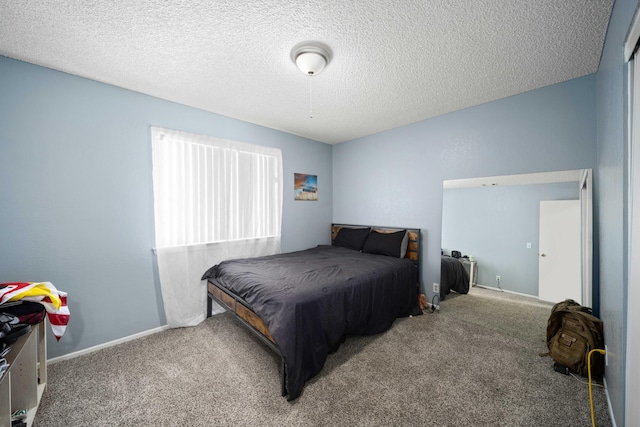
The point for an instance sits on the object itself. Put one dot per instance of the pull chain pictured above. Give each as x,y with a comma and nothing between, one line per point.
310,101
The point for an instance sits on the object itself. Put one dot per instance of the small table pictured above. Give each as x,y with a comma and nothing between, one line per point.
473,270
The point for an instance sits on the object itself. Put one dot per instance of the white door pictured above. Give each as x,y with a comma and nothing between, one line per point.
559,259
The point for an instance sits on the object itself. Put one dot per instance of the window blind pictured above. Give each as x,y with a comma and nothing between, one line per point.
209,190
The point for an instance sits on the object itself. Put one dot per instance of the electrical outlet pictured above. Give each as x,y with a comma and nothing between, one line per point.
528,245
606,356
497,278
436,288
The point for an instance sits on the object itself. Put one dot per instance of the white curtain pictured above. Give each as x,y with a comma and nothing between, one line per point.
214,200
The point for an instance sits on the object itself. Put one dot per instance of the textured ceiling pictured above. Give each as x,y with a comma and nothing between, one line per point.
394,62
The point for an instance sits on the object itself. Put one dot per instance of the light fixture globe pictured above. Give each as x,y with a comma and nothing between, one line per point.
311,63
311,57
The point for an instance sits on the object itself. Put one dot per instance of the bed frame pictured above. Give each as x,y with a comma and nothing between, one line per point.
250,320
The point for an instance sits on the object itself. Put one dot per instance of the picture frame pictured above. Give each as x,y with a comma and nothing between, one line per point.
305,187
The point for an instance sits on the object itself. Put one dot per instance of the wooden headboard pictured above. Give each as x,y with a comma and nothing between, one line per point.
413,246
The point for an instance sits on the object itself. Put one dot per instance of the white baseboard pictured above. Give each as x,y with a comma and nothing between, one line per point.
107,344
606,392
507,291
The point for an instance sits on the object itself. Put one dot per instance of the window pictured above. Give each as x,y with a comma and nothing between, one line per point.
210,190
214,200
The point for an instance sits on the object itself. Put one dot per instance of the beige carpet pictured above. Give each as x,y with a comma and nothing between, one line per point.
475,363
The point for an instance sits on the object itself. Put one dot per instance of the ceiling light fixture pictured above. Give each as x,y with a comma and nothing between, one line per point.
311,58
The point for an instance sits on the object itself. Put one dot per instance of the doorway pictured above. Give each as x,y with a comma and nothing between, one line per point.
501,230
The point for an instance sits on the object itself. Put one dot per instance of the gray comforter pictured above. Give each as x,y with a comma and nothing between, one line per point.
312,299
453,277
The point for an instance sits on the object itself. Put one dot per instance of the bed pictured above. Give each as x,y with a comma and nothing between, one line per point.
304,304
453,277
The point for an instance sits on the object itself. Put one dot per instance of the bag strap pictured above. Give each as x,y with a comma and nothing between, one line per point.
581,308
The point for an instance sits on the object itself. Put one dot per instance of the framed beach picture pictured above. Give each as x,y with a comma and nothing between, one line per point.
305,187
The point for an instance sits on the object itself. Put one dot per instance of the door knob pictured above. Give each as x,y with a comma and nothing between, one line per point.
543,254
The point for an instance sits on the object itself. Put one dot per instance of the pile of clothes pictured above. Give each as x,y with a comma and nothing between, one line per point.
25,303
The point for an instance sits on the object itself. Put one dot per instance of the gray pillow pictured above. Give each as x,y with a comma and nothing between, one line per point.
390,244
351,238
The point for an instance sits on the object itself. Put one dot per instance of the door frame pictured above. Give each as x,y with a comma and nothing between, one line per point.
584,178
586,202
631,370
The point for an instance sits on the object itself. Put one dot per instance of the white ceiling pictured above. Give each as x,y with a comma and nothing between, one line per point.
394,62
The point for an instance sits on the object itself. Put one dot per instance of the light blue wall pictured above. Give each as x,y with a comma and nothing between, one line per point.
494,225
76,194
611,201
394,178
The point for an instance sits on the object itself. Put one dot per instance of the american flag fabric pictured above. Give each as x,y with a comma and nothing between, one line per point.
53,300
